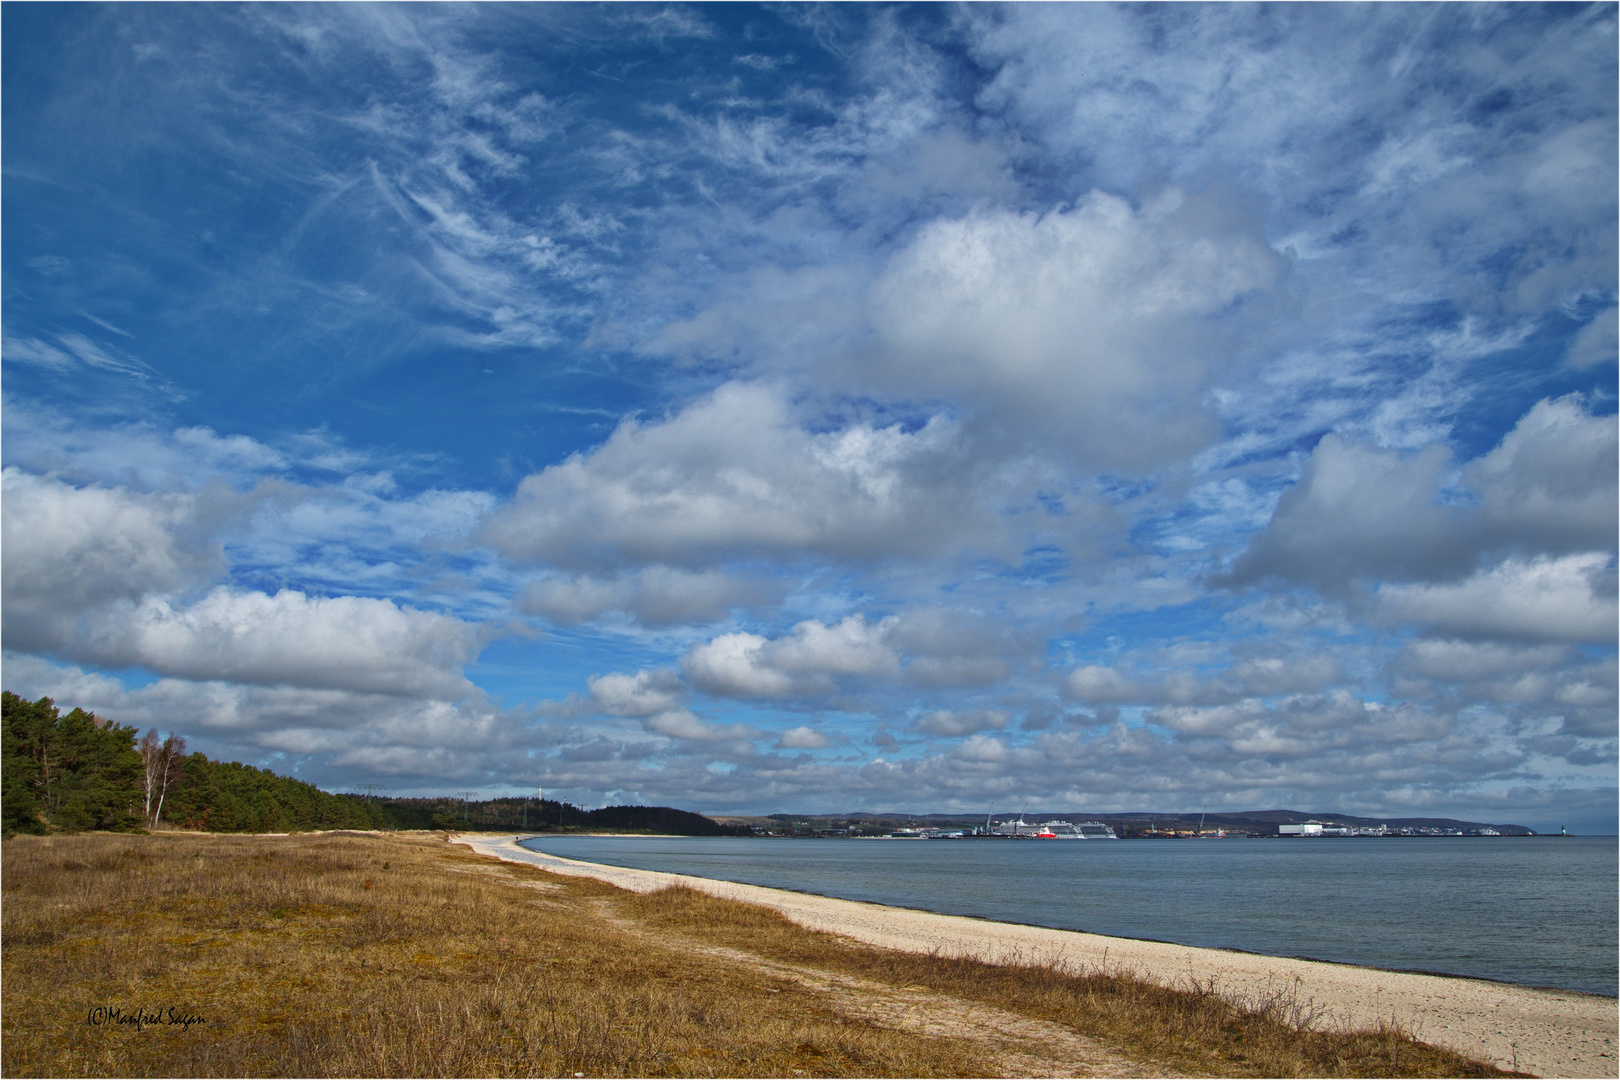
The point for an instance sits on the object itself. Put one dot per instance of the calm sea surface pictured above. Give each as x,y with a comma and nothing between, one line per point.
1535,910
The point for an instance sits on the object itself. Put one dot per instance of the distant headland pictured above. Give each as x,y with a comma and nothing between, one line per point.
1134,824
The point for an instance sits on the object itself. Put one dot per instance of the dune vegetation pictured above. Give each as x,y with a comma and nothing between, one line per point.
347,954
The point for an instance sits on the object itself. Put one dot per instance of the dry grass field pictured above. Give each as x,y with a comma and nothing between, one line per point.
362,955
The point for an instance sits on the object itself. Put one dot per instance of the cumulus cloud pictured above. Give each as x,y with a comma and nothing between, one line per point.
803,738
956,647
685,726
652,596
952,723
71,550
1540,684
928,649
1553,485
1304,726
1095,684
1359,511
1284,675
1254,676
288,638
1475,661
641,694
806,661
107,576
1564,599
736,475
1362,513
731,666
1087,331
655,699
983,750
1092,326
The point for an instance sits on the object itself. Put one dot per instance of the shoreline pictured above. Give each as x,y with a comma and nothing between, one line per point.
1545,1032
517,837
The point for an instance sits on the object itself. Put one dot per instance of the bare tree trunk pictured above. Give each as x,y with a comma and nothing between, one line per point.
150,752
173,749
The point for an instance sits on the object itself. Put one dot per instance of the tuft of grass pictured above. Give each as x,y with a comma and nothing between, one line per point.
397,955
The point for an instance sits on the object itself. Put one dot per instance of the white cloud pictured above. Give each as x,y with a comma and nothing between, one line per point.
683,725
731,666
1092,328
1551,485
1477,661
951,723
851,646
1172,680
1089,332
72,349
946,647
1291,674
641,694
983,749
803,738
734,475
804,662
655,698
1095,684
70,551
1571,598
652,596
1358,512
105,575
343,642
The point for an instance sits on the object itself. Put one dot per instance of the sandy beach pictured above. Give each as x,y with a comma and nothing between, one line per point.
1542,1032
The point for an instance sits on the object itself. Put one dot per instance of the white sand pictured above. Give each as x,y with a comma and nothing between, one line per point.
1542,1032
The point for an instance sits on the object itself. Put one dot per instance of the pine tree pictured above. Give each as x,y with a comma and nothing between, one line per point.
70,772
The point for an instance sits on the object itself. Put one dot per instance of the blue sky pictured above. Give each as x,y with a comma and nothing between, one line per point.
799,408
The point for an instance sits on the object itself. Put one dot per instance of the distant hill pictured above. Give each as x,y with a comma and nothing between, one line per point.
536,815
1135,822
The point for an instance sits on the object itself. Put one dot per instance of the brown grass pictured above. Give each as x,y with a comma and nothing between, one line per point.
1195,1032
351,955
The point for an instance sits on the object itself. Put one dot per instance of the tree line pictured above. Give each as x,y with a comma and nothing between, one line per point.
73,772
79,771
548,815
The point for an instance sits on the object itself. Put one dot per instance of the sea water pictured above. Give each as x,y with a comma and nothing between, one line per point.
1540,911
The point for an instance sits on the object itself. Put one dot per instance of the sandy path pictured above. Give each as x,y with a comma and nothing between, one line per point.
1543,1032
1020,1046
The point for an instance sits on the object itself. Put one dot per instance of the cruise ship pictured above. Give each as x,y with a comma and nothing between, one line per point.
1054,830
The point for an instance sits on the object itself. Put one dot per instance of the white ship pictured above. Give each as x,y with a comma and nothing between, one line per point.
1054,830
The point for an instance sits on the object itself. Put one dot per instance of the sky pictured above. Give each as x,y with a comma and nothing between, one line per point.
820,409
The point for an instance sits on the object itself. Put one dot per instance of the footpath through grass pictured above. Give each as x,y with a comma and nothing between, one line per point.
365,955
